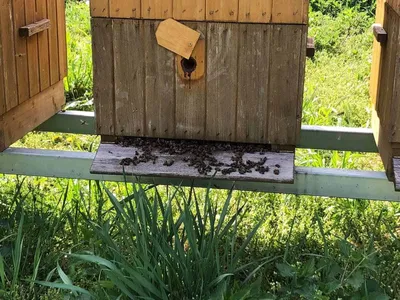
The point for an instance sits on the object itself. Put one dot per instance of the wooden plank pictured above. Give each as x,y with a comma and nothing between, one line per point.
157,9
379,33
177,37
38,26
99,8
255,11
160,86
290,11
8,49
191,100
222,81
43,46
222,10
253,87
33,53
103,75
396,169
53,39
30,114
376,56
125,9
109,156
284,83
393,114
304,52
129,77
62,39
389,54
21,55
190,10
3,107
395,4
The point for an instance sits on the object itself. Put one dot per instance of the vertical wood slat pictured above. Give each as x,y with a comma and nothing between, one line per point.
62,42
222,81
160,86
53,39
377,56
103,75
129,77
3,107
289,11
302,75
389,53
8,50
191,100
222,10
255,11
284,84
395,106
43,46
254,61
32,47
157,9
99,8
190,10
21,55
125,8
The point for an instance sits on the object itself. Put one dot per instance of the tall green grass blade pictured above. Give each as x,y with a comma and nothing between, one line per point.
63,286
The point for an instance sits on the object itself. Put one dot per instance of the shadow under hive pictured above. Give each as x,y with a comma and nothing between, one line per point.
243,82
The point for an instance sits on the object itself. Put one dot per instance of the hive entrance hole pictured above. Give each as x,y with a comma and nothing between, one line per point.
188,66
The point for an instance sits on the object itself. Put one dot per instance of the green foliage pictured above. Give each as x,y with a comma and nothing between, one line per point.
334,7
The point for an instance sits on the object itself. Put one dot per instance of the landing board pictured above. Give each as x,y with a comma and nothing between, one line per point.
265,166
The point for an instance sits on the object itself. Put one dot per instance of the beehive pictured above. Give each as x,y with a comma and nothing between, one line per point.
385,86
248,82
32,65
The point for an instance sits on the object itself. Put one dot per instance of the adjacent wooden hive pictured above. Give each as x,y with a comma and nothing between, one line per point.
385,84
31,68
248,85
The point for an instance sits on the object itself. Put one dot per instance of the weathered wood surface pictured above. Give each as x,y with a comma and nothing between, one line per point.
109,156
34,28
247,86
396,170
103,73
27,116
247,11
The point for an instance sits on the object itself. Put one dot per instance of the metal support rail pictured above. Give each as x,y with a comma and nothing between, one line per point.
308,181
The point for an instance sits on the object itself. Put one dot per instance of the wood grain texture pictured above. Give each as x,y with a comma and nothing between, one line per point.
33,53
30,114
8,50
99,8
21,55
396,170
37,27
129,77
302,74
125,8
284,84
389,53
53,39
222,10
191,100
290,11
255,11
190,10
395,5
222,80
62,39
377,56
253,85
109,156
3,106
177,37
160,86
157,9
43,46
103,76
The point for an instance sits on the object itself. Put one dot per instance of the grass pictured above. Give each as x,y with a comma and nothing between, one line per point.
68,239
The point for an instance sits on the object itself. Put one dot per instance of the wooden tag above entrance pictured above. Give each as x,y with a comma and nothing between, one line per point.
177,37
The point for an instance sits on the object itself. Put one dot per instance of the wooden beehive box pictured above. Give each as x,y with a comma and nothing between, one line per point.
248,82
32,65
385,86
